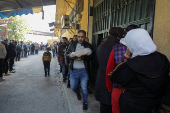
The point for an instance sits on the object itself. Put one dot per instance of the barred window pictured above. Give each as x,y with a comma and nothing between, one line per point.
80,6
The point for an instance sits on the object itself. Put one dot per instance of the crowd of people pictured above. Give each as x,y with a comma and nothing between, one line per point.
132,76
13,51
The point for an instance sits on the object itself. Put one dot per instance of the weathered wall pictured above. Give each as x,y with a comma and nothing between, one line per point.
83,22
161,31
68,34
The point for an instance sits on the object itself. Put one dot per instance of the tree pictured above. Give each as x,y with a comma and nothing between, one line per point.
18,29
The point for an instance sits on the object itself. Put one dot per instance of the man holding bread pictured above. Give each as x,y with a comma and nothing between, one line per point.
79,53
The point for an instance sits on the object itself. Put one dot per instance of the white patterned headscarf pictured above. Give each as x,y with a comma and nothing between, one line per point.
139,42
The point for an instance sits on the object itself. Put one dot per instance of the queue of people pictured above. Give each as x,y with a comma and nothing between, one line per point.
12,53
132,76
75,70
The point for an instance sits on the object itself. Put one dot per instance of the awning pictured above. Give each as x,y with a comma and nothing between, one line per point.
8,5
20,12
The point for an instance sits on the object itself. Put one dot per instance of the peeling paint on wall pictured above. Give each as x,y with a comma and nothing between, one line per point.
161,36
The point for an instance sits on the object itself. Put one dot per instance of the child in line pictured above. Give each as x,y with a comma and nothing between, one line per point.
46,60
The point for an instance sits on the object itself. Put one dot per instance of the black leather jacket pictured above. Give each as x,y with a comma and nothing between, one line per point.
86,59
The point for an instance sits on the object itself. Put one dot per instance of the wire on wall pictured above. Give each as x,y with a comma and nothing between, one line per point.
72,7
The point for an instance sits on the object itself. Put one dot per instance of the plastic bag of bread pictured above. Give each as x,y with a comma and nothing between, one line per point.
86,51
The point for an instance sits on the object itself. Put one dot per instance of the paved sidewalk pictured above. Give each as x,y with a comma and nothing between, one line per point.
74,105
28,91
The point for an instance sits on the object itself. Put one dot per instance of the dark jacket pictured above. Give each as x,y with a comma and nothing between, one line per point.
65,54
32,46
61,52
144,79
11,51
18,49
86,59
101,93
25,47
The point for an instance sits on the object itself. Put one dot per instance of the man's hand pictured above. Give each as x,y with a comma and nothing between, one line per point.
74,58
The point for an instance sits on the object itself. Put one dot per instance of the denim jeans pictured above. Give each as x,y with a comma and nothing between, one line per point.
75,76
53,52
25,53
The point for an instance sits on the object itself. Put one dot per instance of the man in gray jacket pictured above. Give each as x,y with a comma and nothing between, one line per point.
2,56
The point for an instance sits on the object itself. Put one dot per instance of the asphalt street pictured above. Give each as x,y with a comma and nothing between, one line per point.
29,91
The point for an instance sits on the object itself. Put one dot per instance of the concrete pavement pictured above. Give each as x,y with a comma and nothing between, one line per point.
28,91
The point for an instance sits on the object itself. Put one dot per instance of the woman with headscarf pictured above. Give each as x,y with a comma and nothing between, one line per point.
144,77
116,57
102,55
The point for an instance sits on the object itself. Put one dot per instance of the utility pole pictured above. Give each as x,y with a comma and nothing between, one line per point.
7,30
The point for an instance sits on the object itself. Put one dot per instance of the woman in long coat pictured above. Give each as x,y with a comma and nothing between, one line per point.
102,53
144,77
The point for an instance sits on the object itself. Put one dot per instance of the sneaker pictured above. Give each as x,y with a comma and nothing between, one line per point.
7,74
85,107
2,79
78,96
12,71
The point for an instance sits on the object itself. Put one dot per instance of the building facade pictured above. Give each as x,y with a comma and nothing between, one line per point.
97,16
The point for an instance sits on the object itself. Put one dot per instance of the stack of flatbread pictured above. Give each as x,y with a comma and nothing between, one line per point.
86,51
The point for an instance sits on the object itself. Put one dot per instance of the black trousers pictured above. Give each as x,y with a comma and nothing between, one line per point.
105,108
46,66
11,62
32,51
18,56
5,66
36,51
1,66
68,74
